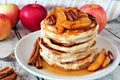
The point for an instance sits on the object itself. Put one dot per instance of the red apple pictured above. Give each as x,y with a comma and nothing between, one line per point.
11,11
31,16
98,12
5,26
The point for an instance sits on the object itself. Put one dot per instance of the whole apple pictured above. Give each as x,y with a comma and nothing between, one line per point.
31,16
5,26
11,11
98,12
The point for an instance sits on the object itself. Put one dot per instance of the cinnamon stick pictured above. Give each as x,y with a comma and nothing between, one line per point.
34,49
34,54
10,77
39,62
6,72
4,68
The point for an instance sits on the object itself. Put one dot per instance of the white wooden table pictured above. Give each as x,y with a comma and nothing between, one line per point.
112,32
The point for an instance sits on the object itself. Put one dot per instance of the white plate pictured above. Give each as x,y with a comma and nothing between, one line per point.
25,45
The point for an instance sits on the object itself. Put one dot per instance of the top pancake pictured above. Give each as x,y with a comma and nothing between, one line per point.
61,33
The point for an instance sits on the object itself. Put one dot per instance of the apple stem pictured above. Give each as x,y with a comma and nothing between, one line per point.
35,3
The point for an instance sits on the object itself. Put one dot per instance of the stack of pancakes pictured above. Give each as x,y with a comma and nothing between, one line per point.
68,42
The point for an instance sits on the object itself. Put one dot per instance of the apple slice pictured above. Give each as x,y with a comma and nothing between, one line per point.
106,61
82,22
109,58
98,61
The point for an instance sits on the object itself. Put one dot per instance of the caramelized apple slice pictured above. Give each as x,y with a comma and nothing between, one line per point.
81,14
98,61
82,22
106,61
60,29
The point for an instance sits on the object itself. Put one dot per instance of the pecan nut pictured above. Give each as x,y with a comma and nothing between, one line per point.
51,20
110,55
71,15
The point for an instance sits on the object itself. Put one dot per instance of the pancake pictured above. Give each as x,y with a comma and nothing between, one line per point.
75,48
75,65
68,38
61,56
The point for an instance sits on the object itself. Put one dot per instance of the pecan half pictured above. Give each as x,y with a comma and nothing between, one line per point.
110,55
71,15
51,20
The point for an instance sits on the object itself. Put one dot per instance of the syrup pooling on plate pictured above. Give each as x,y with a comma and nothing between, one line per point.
61,72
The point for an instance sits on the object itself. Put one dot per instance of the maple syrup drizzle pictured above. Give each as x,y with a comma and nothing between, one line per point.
58,71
